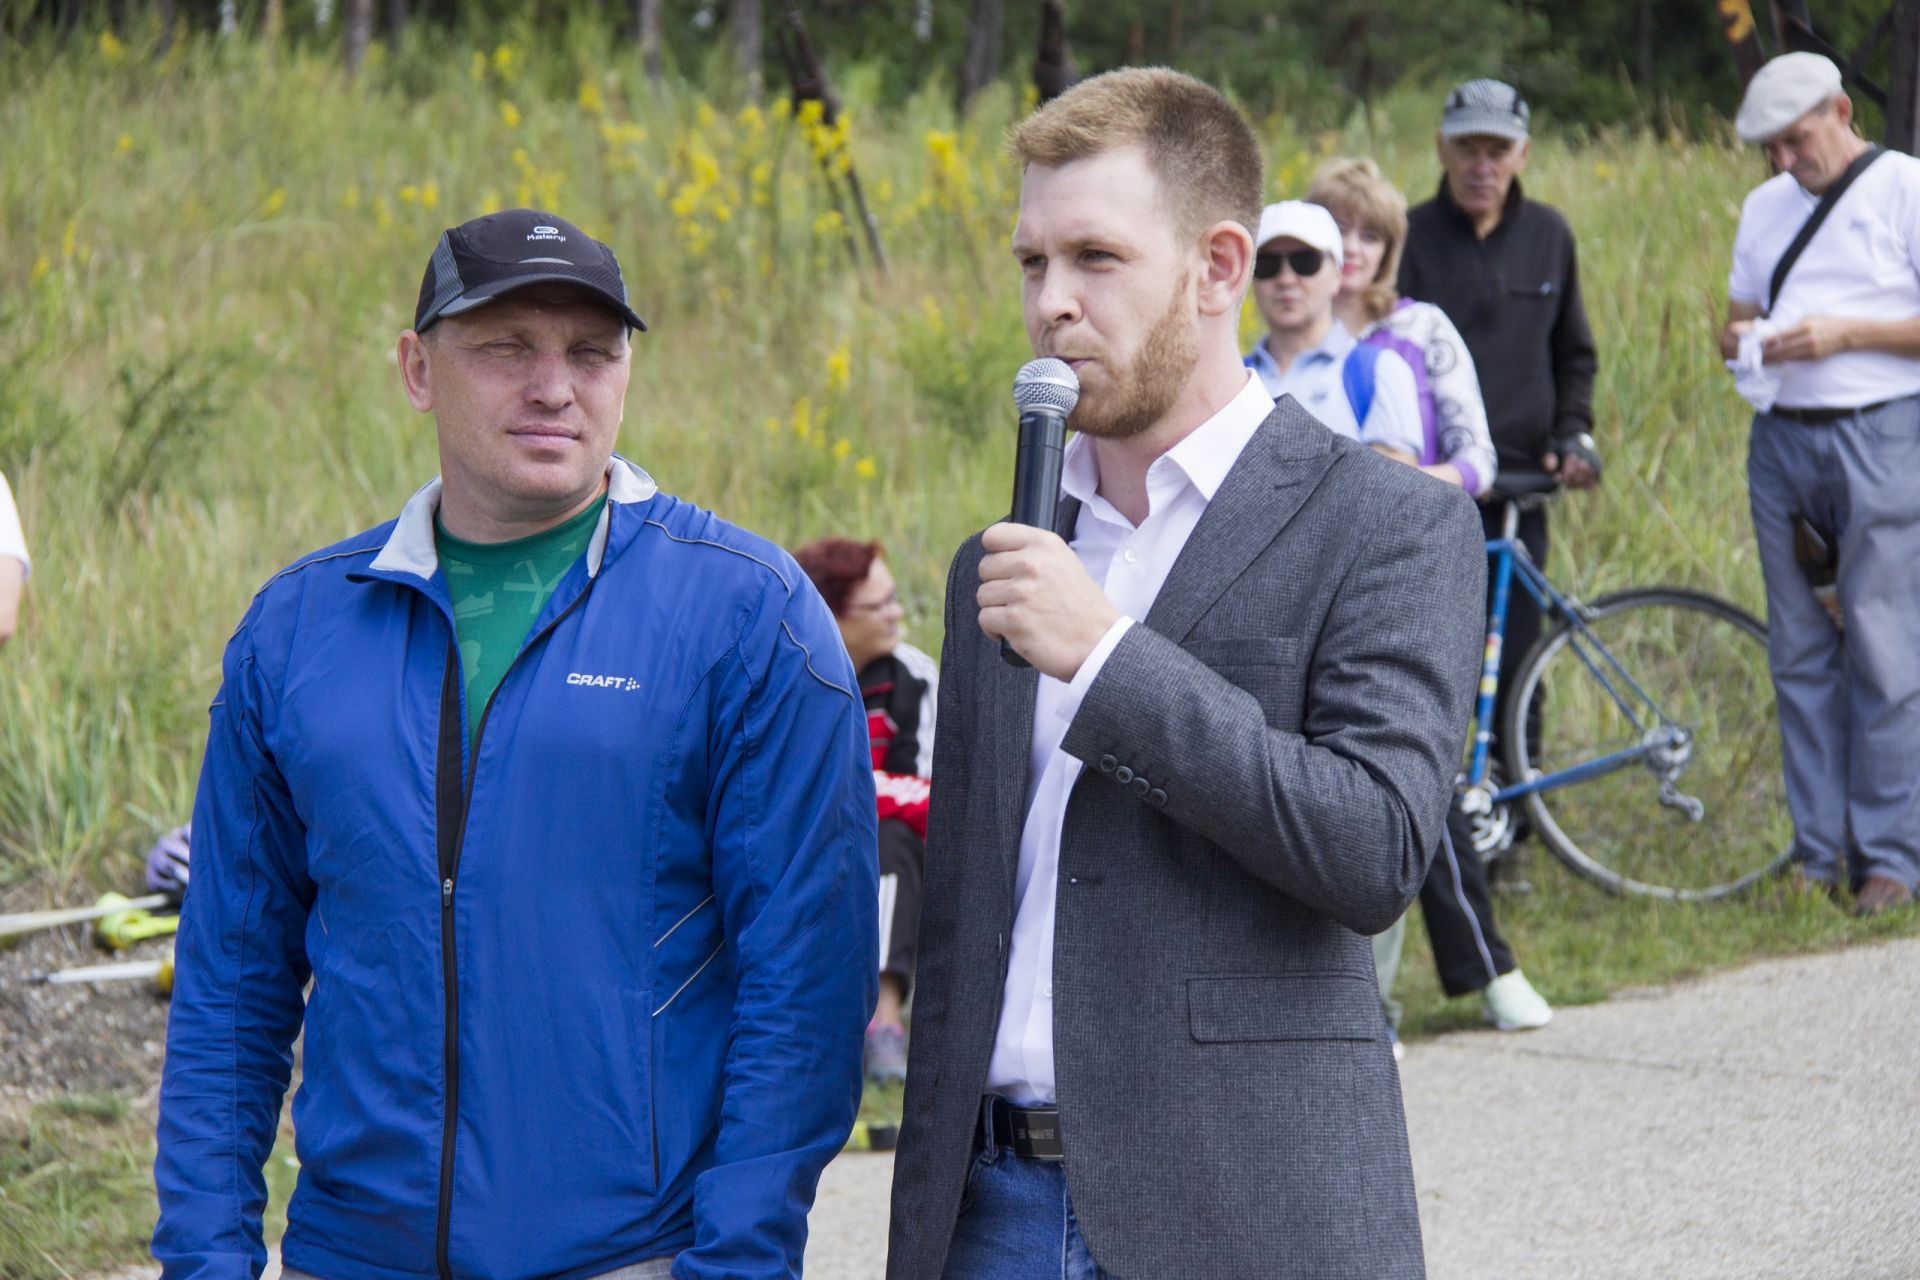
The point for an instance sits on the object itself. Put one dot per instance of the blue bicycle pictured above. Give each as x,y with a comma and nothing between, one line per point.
1655,765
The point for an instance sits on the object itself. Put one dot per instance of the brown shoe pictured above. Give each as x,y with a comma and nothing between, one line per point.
1880,893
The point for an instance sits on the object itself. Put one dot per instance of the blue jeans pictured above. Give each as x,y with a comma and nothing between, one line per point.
1017,1223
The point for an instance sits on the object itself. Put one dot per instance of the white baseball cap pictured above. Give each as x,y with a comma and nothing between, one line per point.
1781,92
1310,224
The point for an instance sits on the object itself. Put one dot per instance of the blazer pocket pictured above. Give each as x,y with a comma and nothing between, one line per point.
1245,651
1277,1007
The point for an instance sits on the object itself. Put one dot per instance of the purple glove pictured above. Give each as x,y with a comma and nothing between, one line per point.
167,862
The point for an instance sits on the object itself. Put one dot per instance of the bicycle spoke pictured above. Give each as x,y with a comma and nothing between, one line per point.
1685,678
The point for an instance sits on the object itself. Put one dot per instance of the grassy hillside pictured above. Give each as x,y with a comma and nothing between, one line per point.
204,265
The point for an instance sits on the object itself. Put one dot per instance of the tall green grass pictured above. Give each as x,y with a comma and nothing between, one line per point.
204,265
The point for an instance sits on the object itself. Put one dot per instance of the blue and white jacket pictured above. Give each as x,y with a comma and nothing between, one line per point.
590,995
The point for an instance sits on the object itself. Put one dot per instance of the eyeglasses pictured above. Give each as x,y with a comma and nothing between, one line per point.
881,605
1305,263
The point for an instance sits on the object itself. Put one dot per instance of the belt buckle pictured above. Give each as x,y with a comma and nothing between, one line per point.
1035,1133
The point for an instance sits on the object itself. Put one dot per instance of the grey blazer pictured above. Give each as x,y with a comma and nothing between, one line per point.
1269,759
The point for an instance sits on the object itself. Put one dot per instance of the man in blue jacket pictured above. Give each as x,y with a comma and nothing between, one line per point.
557,788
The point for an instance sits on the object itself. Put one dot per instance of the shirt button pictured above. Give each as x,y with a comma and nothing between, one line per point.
1123,775
1108,764
1130,555
1141,786
1157,798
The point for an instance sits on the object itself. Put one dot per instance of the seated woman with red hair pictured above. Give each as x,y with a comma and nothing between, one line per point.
898,684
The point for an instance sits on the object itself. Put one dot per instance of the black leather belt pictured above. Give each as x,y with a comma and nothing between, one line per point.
1032,1133
1822,417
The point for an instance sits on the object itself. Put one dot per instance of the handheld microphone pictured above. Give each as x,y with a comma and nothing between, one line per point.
1044,391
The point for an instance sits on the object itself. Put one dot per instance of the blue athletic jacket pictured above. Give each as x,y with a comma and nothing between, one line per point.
591,996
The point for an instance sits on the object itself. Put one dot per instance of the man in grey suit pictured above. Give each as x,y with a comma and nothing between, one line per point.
1147,1041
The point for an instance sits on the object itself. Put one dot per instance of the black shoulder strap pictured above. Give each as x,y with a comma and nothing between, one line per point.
1828,198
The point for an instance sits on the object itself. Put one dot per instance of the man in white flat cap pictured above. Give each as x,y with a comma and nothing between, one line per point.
1358,390
1823,332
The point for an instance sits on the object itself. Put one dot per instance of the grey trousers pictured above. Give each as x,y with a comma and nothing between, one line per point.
1849,708
651,1269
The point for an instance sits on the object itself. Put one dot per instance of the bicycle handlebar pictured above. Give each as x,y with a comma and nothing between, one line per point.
1514,483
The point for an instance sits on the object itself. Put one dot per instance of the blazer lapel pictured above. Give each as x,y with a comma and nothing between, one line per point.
1274,475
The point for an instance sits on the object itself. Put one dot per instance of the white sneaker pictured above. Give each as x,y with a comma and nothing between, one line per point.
1510,1003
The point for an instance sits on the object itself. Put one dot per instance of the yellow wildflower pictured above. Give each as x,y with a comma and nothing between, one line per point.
509,114
704,116
802,418
749,117
503,61
479,68
409,193
828,224
40,267
490,202
839,367
841,448
124,144
430,195
590,100
866,469
1602,171
110,47
275,202
811,112
350,198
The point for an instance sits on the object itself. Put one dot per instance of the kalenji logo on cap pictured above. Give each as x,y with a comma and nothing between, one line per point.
547,233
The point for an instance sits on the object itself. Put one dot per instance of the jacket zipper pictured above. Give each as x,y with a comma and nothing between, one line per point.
451,802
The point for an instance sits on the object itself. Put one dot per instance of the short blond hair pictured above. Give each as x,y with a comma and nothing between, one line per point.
1197,143
1354,190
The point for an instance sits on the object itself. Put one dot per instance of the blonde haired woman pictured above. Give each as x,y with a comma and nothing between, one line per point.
1372,216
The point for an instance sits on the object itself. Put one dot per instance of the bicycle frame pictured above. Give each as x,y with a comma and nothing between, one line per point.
1511,562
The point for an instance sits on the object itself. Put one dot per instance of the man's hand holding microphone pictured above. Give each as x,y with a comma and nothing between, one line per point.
1035,596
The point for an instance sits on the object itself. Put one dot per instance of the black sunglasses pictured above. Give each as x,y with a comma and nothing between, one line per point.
1305,263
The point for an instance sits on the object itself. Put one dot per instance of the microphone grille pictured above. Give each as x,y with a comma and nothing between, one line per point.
1046,383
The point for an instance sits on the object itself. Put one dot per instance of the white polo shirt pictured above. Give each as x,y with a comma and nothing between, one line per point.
13,542
1863,263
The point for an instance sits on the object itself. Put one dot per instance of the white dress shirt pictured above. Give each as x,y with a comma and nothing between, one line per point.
1130,564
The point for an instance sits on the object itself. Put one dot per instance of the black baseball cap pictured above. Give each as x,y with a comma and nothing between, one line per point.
477,261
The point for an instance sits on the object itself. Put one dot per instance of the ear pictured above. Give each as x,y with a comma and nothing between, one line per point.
416,371
1226,268
1843,108
1525,145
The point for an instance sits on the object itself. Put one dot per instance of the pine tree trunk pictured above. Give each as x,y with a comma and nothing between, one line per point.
1903,97
985,31
358,29
169,14
749,47
646,30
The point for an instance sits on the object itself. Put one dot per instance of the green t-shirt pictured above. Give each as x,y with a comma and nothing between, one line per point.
498,590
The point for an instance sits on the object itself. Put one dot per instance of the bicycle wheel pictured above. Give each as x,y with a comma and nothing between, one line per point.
1672,687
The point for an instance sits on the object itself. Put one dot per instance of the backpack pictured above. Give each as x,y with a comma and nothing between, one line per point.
1356,376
